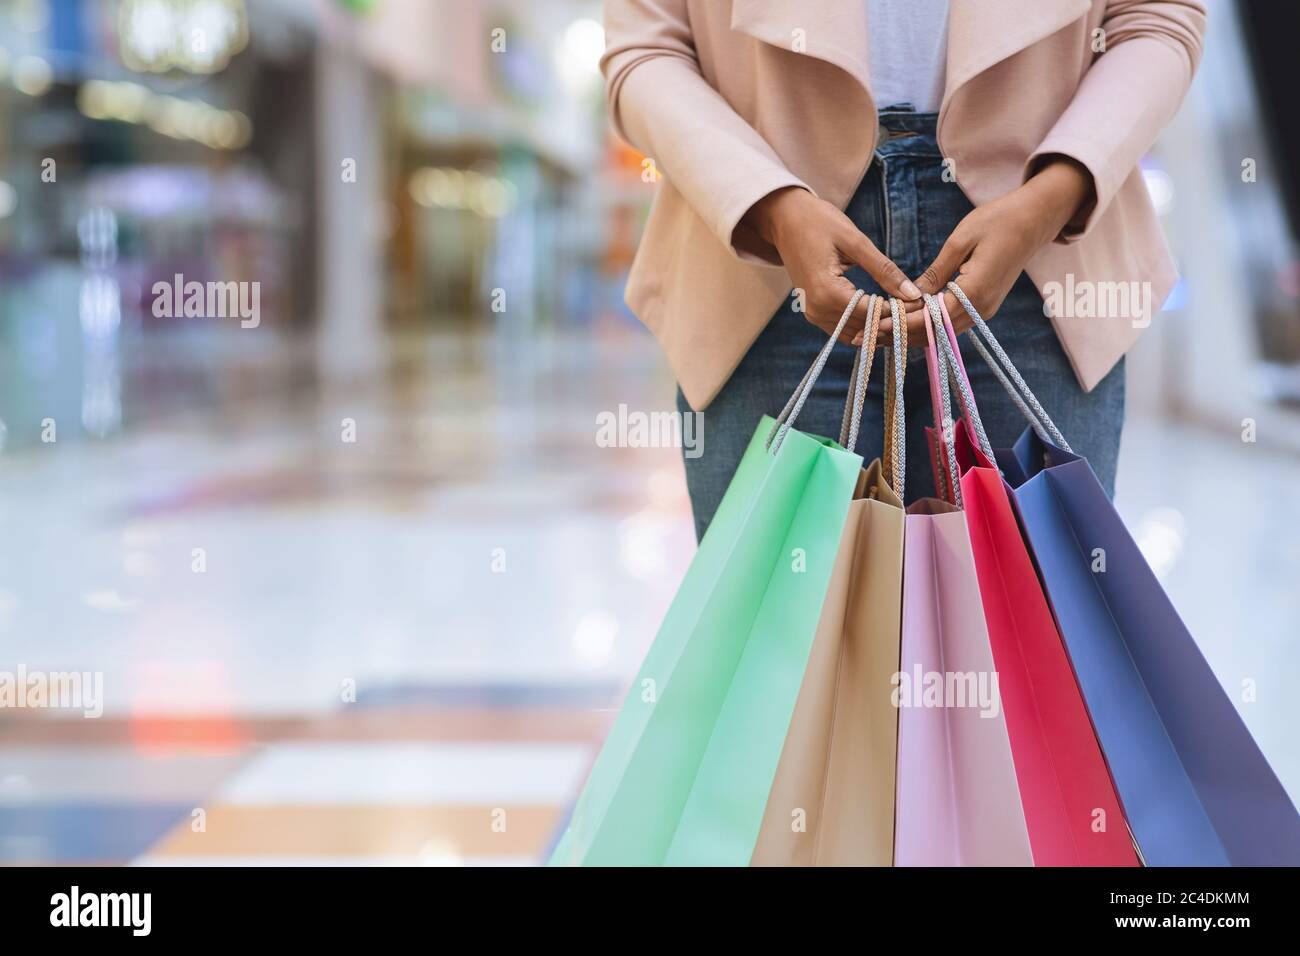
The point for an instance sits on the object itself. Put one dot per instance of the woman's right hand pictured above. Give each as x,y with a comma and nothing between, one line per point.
817,244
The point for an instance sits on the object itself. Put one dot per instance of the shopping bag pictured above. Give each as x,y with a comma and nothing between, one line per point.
1195,788
1072,813
686,769
958,802
832,800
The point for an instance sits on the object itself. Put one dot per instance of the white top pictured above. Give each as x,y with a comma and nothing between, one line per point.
908,51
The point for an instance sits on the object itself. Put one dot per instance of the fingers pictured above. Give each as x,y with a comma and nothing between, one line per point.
846,336
831,293
826,306
950,259
880,267
961,320
917,318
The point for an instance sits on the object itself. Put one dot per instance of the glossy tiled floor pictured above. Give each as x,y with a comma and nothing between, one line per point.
407,647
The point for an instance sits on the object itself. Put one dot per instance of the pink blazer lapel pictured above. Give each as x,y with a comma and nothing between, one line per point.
981,33
830,30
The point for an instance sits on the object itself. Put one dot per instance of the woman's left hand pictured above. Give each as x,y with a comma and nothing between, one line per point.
991,246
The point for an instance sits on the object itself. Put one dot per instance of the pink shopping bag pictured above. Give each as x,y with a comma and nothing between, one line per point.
958,801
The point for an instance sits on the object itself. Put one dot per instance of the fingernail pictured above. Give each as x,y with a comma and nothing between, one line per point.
909,290
857,339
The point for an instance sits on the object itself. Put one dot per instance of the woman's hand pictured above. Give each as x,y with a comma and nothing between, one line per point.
818,244
990,247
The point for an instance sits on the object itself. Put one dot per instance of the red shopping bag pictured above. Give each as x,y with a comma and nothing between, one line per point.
1071,809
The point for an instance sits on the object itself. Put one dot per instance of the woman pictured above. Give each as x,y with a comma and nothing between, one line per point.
893,145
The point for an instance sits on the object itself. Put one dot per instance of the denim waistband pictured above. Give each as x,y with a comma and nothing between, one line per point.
905,132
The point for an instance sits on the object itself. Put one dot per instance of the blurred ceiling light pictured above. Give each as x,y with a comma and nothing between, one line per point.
32,75
1161,188
641,551
108,599
198,36
230,130
593,639
91,101
444,188
1160,536
167,118
577,56
170,116
101,413
101,307
97,236
584,43
8,199
147,29
490,198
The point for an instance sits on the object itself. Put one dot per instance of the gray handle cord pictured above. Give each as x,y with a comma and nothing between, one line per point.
893,396
963,387
861,374
1020,392
786,419
945,401
858,388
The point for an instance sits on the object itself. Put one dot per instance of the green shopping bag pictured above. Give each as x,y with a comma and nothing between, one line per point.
684,775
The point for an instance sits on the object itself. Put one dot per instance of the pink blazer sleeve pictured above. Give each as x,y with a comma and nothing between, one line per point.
661,103
1152,48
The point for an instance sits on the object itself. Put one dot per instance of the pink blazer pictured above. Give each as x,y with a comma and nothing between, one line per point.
733,99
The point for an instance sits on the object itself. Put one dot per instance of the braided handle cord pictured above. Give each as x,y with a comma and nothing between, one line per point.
786,419
894,459
1020,392
945,400
860,376
957,376
846,419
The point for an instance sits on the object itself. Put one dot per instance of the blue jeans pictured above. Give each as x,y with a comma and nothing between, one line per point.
907,209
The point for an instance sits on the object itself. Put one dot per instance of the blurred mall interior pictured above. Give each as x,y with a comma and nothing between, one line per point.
360,584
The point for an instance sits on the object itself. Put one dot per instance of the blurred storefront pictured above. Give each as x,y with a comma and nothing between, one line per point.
409,165
500,187
141,144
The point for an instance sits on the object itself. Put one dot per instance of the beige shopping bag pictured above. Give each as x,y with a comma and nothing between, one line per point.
832,800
